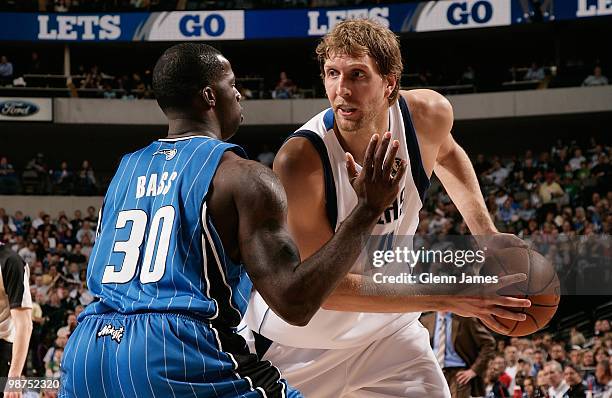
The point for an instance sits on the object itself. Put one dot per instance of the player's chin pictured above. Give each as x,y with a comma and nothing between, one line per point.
348,125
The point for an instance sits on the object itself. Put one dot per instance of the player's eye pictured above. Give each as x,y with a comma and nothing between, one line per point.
332,73
358,74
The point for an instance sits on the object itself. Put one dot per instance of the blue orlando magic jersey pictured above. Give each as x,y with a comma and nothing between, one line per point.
157,249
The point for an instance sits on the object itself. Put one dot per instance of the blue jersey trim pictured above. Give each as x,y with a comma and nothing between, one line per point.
328,119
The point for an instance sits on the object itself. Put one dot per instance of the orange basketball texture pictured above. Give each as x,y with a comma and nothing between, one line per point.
542,287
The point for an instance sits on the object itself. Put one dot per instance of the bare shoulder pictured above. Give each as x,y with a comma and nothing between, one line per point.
431,113
247,176
427,102
298,157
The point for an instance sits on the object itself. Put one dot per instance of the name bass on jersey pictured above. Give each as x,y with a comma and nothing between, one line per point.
148,185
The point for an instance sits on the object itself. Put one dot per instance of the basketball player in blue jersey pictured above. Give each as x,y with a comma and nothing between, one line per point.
183,222
367,341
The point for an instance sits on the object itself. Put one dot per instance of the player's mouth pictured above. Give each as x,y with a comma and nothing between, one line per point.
346,111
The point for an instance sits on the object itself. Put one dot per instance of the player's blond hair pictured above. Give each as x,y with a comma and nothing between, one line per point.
359,37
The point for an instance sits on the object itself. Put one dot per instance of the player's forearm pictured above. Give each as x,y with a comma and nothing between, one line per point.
317,277
457,175
360,293
23,331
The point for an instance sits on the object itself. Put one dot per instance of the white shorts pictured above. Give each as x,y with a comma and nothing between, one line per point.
399,365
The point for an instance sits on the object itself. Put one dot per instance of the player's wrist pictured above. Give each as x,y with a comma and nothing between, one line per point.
366,213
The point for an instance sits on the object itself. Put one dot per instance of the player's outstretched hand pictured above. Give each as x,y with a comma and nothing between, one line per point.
377,184
484,301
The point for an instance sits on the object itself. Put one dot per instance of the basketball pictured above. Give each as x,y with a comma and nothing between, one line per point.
541,287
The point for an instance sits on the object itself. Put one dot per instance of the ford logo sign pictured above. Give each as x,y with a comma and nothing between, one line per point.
14,108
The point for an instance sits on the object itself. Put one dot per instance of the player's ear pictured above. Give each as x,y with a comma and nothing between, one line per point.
208,95
391,83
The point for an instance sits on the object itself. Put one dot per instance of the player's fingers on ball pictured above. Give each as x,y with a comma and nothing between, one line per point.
368,160
503,313
390,159
511,302
381,151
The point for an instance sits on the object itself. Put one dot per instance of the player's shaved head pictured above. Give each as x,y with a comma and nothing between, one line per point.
182,72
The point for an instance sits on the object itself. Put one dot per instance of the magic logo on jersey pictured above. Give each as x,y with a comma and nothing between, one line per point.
115,334
169,153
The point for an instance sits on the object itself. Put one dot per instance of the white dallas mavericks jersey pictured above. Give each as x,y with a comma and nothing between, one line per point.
339,329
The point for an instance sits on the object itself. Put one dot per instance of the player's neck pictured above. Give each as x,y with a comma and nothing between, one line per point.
178,128
356,141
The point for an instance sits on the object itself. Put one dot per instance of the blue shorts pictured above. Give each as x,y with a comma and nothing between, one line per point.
163,355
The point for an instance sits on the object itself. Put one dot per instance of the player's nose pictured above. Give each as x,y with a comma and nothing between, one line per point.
342,88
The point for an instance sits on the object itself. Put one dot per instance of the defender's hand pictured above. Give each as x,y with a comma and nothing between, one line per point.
375,185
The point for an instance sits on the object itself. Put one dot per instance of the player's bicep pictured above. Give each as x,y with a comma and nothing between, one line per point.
300,170
266,247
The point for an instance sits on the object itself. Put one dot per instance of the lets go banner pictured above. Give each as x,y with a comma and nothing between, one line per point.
268,24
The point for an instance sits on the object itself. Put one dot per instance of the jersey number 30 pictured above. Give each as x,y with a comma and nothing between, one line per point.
131,247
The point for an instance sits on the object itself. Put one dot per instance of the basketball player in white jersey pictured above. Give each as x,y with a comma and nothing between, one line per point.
370,345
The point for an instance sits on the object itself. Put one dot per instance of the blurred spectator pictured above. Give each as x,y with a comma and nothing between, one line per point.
498,174
535,72
511,357
498,380
61,5
92,79
530,389
71,324
77,220
54,355
596,79
558,386
6,71
575,357
63,179
35,66
557,353
28,253
601,354
285,88
601,383
542,382
139,87
577,160
539,359
85,231
85,183
109,93
468,76
572,378
481,165
37,175
92,215
9,182
550,189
